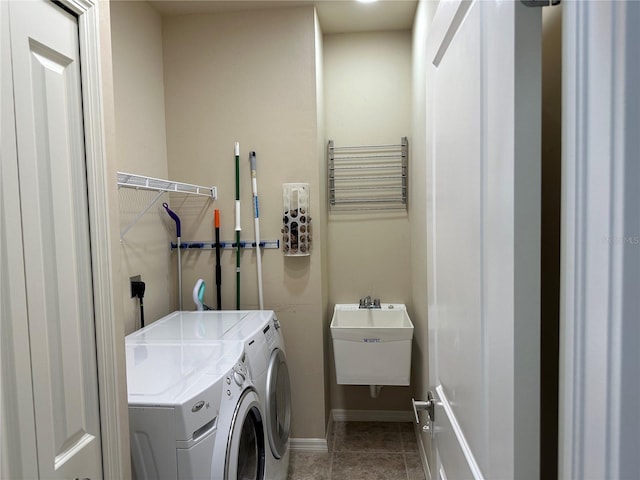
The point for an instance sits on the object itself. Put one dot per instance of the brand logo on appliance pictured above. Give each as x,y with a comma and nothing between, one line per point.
198,406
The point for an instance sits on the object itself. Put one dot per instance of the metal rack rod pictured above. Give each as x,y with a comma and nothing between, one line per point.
376,177
363,147
369,207
368,157
365,167
374,188
371,200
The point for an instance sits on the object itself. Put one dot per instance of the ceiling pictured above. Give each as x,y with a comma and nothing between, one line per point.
336,16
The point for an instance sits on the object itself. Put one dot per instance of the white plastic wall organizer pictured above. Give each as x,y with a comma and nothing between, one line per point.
297,237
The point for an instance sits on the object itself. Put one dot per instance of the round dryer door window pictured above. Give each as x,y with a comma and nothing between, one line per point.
278,404
245,447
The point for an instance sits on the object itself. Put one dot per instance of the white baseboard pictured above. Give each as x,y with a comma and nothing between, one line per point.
329,435
320,445
314,445
422,452
342,415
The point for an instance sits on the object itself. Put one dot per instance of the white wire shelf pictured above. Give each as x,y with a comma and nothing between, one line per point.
142,182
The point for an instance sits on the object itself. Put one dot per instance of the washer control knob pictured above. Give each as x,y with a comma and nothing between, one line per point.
240,373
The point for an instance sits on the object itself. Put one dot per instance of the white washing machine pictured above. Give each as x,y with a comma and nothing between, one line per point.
259,332
194,413
180,397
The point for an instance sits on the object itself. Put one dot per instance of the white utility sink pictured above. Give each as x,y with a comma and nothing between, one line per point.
372,346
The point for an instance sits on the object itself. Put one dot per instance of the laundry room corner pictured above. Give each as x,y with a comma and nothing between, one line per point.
187,88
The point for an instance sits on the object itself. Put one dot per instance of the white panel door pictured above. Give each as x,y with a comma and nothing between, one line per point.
484,238
55,232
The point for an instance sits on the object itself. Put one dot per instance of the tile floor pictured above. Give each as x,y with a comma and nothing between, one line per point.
362,451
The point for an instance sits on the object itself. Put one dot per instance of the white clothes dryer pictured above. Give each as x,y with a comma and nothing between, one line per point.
242,456
277,405
261,333
190,327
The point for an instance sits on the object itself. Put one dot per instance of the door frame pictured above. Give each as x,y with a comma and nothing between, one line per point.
109,332
600,246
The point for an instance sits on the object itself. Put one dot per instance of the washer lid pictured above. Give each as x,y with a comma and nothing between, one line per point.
192,327
172,374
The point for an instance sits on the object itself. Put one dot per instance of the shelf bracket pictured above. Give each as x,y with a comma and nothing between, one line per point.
139,216
141,182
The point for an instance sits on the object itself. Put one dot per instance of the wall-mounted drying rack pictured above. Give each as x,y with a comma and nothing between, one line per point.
226,245
141,182
368,177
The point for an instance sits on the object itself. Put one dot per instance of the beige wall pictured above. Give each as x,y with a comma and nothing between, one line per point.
251,77
141,148
368,101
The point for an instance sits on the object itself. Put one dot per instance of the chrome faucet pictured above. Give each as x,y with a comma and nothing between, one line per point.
366,302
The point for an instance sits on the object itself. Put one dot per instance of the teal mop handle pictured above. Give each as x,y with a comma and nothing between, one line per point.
237,153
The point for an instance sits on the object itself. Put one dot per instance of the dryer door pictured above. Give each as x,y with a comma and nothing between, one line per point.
278,403
245,446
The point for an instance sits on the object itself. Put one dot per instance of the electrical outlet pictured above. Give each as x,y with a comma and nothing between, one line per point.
135,278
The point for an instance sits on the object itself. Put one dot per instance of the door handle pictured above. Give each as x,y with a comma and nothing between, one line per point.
421,405
429,405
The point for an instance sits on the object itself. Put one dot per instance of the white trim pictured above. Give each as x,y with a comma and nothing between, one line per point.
455,426
321,445
108,336
443,475
424,459
18,457
316,445
341,415
600,249
448,14
329,434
